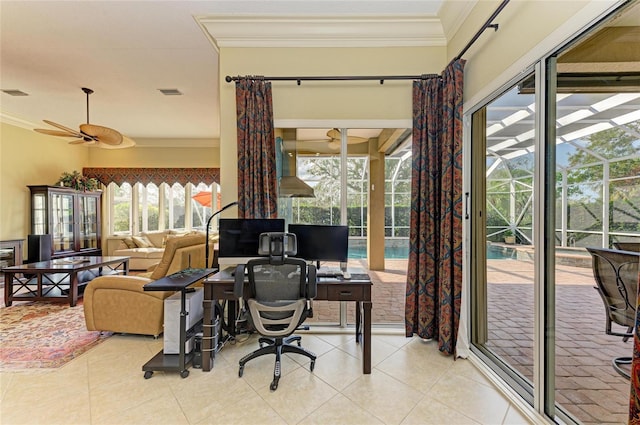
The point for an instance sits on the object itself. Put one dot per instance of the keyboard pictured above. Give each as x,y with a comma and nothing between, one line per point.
329,273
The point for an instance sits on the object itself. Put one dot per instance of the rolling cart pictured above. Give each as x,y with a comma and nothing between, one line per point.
179,281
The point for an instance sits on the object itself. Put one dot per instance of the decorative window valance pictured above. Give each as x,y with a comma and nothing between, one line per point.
154,175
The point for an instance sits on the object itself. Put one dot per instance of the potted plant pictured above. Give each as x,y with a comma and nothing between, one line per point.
509,237
77,181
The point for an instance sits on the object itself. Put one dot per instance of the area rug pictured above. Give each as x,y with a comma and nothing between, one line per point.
43,335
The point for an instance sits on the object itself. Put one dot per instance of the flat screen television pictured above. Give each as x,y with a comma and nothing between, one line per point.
318,242
239,237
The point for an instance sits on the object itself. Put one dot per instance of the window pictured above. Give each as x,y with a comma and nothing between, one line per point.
143,208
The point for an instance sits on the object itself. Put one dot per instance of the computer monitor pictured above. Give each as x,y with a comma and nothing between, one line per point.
318,242
239,238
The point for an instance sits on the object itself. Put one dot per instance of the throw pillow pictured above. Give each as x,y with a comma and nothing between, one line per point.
141,241
129,242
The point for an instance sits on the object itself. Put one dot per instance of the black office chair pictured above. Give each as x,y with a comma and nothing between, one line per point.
616,276
279,298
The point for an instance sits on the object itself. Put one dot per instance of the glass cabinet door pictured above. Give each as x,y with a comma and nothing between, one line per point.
39,214
88,233
62,222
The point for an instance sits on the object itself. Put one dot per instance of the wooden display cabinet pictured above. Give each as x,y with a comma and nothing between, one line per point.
71,217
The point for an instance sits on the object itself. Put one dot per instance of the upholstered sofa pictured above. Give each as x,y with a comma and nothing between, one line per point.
120,304
145,250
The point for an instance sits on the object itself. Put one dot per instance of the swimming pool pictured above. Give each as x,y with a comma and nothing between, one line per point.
494,252
393,252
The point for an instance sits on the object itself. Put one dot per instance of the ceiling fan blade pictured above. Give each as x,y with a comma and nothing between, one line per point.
335,136
80,142
353,140
102,134
62,127
126,143
55,132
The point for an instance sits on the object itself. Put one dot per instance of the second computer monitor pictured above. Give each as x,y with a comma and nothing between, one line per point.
318,242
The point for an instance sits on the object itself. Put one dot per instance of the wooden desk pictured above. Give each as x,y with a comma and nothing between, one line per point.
57,279
357,289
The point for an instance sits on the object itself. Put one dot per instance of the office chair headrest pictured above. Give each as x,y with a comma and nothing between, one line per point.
277,245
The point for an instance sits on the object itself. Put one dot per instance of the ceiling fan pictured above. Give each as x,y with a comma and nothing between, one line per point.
90,134
335,138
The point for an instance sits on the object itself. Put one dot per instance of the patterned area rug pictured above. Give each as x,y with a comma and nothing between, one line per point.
43,335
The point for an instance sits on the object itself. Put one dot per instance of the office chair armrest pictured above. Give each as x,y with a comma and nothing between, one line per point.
312,282
239,281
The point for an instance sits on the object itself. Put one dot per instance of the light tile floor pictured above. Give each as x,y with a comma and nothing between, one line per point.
411,383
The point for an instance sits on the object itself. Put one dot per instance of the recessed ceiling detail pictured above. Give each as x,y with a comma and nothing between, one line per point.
234,31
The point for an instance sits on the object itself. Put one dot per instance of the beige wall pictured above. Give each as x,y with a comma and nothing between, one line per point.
29,158
155,157
361,100
528,30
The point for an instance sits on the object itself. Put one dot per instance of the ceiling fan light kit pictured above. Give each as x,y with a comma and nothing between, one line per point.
90,134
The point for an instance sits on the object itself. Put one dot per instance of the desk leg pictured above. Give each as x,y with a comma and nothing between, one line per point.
207,331
366,343
358,322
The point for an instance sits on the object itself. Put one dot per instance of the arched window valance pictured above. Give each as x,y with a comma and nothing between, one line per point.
154,175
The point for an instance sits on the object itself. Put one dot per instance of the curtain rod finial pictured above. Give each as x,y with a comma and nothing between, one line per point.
228,79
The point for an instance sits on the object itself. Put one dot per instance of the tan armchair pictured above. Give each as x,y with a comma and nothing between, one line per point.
119,303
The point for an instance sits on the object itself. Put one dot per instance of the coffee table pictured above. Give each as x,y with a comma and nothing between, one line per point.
58,279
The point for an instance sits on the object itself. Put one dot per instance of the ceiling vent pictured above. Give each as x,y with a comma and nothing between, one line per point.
171,92
14,92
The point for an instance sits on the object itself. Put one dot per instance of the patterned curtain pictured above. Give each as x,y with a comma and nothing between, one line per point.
434,275
257,178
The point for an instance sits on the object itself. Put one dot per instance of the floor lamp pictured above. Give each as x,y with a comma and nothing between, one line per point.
206,249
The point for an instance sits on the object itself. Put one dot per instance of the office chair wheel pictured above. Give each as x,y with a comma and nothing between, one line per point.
312,365
240,371
148,374
184,374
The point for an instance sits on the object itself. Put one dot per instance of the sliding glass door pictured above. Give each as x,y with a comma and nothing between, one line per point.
556,169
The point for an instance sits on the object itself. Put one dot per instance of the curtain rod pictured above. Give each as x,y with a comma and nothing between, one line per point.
486,25
381,78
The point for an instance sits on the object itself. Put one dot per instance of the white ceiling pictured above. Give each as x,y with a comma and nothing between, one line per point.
126,50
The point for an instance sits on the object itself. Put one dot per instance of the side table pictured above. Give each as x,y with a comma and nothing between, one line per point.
179,281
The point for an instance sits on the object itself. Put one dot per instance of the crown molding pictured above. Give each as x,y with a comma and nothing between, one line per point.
236,31
453,14
17,122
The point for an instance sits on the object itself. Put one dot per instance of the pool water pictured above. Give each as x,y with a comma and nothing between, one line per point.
393,252
402,252
500,253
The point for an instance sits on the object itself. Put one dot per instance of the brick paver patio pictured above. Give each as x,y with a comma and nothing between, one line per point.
586,384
